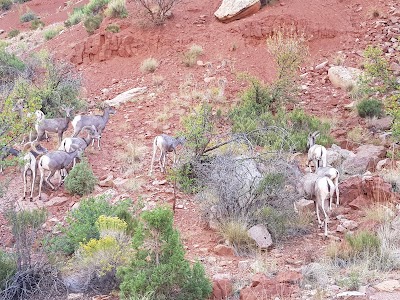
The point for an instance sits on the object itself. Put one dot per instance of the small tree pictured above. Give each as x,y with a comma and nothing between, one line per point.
198,129
158,265
157,10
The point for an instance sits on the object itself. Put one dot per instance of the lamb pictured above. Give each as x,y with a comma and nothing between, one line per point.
56,125
316,153
31,158
54,161
80,121
333,175
166,144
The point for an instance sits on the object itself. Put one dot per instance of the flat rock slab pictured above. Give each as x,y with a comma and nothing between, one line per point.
231,10
126,96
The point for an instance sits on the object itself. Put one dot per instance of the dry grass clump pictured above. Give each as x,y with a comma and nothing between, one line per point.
379,212
131,157
235,232
392,176
190,57
149,65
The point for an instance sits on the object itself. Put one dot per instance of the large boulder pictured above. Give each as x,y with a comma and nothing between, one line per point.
344,77
358,192
127,96
222,289
231,10
350,190
264,288
336,155
366,158
262,237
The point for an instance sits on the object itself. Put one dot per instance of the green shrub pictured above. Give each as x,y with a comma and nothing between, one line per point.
25,226
363,243
13,33
116,9
35,24
158,265
92,23
198,128
149,65
280,131
113,28
185,179
8,267
81,223
52,32
95,7
76,16
81,180
190,57
370,108
5,4
98,259
60,85
27,17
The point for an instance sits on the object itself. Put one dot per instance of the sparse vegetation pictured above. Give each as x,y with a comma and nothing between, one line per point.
370,108
81,180
28,16
92,23
8,267
76,16
37,23
114,28
149,65
5,4
13,33
235,232
52,32
190,57
157,11
116,9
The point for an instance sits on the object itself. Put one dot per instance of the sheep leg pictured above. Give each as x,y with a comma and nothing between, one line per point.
25,182
49,178
161,161
33,181
336,183
41,182
317,210
154,155
326,218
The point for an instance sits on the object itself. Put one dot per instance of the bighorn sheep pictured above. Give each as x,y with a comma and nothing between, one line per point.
56,125
316,153
55,161
30,166
323,188
77,142
5,152
317,188
26,117
333,175
166,144
80,121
